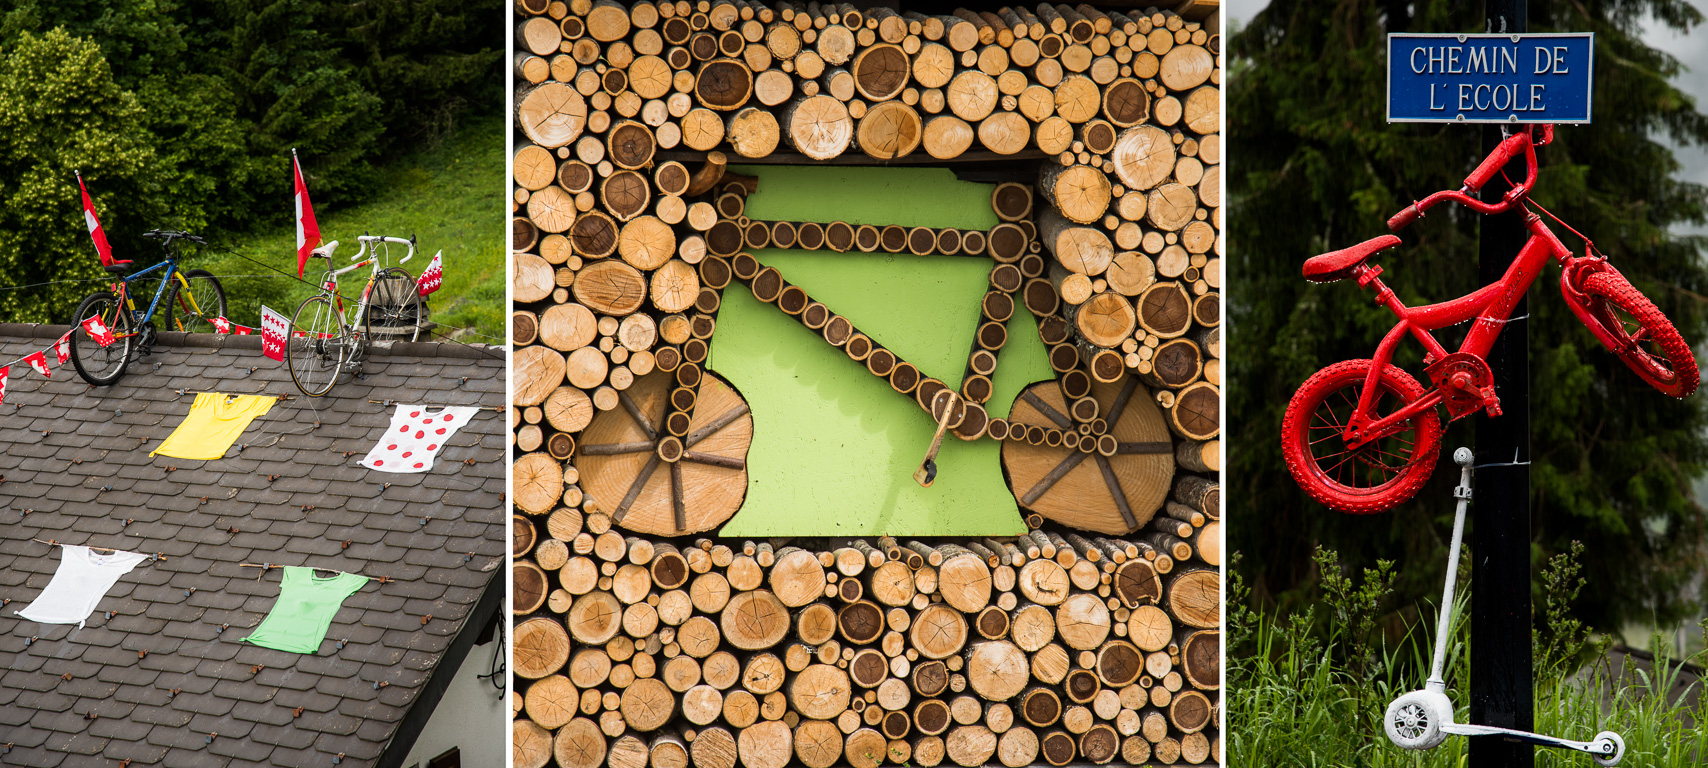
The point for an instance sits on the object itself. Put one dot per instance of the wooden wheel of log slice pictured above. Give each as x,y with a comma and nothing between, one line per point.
552,115
541,647
1107,494
578,745
1144,156
531,745
620,466
889,130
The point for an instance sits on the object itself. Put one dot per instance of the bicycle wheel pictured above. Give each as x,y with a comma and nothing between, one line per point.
100,365
395,311
1647,342
1376,476
195,310
317,356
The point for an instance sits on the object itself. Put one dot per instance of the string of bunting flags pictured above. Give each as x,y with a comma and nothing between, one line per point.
38,361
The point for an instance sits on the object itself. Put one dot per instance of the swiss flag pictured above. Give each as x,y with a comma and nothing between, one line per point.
98,330
62,350
434,275
274,330
95,231
222,325
308,232
5,371
38,361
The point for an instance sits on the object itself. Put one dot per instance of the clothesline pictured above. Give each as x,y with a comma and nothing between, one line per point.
56,542
265,567
388,403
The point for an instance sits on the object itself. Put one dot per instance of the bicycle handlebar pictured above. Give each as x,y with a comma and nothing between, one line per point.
1504,153
372,239
169,235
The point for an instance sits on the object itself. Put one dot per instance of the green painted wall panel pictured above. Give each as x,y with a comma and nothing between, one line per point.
835,447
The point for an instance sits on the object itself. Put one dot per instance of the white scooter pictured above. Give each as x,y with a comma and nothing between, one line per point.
1423,719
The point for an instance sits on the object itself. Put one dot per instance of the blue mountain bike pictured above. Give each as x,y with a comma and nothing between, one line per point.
185,300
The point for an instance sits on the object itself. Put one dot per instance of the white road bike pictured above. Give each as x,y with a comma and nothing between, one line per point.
325,341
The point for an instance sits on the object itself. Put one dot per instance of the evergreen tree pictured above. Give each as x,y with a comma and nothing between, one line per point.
1316,168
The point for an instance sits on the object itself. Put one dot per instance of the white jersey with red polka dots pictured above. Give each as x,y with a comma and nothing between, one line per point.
416,434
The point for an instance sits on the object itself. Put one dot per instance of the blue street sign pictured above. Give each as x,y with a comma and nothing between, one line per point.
1490,78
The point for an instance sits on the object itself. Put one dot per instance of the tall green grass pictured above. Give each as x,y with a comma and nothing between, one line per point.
1310,688
450,195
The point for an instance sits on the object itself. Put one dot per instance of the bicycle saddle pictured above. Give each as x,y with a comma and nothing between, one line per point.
325,250
1338,265
118,267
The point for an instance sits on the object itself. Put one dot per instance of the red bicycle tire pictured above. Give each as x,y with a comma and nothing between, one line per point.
1673,371
1338,386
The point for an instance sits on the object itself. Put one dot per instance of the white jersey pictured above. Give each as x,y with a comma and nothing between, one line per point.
82,579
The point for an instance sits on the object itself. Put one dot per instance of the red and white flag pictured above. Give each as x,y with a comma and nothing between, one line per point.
435,274
222,325
274,331
5,371
98,330
38,361
308,232
95,231
62,350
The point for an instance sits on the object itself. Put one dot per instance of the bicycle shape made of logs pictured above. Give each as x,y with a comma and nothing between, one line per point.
324,341
184,299
1088,447
1362,436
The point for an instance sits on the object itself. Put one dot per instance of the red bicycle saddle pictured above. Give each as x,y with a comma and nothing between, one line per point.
1338,265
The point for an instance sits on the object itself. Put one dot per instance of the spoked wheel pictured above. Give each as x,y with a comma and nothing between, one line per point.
100,365
1414,721
317,348
622,464
196,309
1078,484
1645,339
395,310
1373,477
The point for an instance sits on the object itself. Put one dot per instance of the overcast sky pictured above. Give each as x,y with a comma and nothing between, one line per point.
1691,50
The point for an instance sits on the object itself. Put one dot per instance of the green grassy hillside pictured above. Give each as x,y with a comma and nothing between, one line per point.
450,196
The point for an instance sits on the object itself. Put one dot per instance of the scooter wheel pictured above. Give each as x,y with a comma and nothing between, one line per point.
1611,746
1414,721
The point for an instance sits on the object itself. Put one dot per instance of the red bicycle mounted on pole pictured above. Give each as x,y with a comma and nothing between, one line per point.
1362,436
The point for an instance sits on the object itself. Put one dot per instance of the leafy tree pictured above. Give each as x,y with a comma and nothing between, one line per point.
1316,168
60,111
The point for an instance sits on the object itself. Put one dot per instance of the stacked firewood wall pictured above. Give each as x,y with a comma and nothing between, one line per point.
1043,648
636,640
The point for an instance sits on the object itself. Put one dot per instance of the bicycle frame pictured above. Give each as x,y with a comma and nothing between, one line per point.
1490,306
122,288
374,261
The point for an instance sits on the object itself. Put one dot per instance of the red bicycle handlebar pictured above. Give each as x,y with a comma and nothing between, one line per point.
1491,165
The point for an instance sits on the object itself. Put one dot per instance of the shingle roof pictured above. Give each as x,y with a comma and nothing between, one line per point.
153,681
